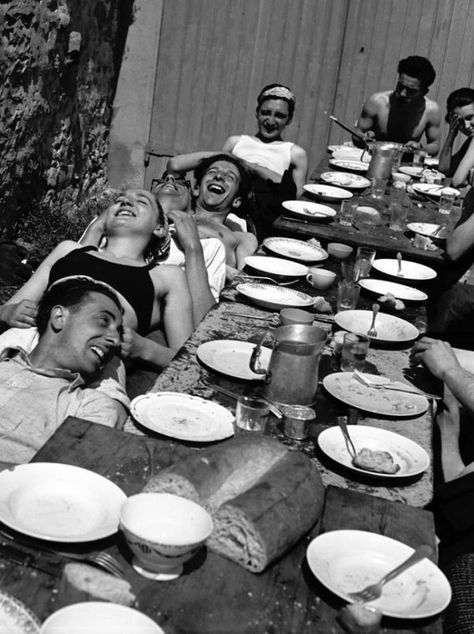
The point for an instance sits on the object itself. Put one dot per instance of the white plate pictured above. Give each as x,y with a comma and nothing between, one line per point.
400,291
343,146
348,560
427,229
347,164
274,297
343,179
434,190
351,154
276,266
431,161
59,502
327,192
415,171
410,270
308,209
232,358
390,329
15,617
183,416
408,455
295,249
349,390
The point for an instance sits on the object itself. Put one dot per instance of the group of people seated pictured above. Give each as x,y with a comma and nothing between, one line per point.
145,272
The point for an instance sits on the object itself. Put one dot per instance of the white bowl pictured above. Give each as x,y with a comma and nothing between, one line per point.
339,251
277,268
410,270
163,531
99,617
320,278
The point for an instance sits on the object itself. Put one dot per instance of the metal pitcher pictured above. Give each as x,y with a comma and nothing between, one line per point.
385,154
292,375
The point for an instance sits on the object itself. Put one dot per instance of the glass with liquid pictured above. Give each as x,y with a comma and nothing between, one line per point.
354,352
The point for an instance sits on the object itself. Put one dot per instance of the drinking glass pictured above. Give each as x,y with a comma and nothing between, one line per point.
379,185
398,216
354,352
251,413
346,213
347,295
419,157
446,203
364,260
349,271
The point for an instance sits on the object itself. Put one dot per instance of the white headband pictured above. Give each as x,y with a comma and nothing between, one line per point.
279,92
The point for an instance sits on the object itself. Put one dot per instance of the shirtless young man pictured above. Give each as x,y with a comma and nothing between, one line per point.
221,186
404,114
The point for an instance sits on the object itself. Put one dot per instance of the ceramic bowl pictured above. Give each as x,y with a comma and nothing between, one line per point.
99,617
401,178
339,251
163,531
320,278
294,316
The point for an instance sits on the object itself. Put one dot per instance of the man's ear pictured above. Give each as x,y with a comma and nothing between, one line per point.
195,190
57,317
237,202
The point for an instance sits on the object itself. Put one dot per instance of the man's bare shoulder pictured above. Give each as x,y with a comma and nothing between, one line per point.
432,108
377,102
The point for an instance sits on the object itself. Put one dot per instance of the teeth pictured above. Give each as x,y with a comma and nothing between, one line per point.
124,212
216,188
100,353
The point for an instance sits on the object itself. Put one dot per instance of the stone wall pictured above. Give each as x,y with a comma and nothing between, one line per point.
59,64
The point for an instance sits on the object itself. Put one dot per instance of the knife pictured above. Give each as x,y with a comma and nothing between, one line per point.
23,556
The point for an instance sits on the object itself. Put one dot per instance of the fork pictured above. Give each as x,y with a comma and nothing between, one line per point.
347,439
100,559
410,389
372,592
399,260
372,332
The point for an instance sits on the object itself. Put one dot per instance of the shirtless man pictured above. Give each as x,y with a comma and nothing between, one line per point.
221,186
405,114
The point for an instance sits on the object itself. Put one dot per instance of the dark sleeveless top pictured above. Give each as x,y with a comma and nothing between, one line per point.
132,282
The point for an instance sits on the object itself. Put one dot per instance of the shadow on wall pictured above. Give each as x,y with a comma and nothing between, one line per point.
59,62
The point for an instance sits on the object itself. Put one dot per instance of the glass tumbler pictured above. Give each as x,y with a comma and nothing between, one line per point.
354,352
347,295
251,413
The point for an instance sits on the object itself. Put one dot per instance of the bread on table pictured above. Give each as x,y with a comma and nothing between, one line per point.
81,582
262,497
375,460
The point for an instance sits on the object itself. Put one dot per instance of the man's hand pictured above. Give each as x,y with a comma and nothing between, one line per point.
186,231
131,344
21,315
412,145
369,136
437,355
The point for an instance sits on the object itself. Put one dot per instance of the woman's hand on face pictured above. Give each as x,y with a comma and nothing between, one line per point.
21,315
454,125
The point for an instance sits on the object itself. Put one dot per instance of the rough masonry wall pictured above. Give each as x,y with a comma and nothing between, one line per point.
59,63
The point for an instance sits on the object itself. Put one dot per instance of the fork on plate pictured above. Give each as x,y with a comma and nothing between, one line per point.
409,389
374,591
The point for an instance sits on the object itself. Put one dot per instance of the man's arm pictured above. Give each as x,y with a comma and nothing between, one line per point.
432,130
182,163
195,266
461,238
366,121
247,245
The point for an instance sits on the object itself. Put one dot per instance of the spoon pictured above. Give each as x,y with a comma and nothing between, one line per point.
372,332
399,259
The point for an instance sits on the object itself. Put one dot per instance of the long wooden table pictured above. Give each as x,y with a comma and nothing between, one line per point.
214,595
386,241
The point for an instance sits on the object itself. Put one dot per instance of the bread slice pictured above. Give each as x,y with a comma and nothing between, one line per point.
81,582
375,460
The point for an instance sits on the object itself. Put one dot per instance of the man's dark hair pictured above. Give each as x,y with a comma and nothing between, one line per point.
245,186
71,292
459,98
418,67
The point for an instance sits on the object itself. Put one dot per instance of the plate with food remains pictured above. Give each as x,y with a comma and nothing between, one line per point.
345,387
307,209
415,171
431,189
347,164
232,358
412,271
295,249
347,561
344,179
183,416
59,502
429,229
274,297
327,192
379,453
389,328
15,617
399,291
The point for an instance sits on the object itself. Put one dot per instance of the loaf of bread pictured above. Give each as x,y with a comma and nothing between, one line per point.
81,582
375,460
262,497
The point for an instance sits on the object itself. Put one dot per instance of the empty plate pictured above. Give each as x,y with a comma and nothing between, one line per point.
347,164
343,179
274,297
415,171
390,329
400,291
410,270
232,358
327,192
407,454
277,267
295,249
308,209
59,502
347,561
183,416
428,229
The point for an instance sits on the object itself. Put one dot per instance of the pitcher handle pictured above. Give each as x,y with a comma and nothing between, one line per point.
255,358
